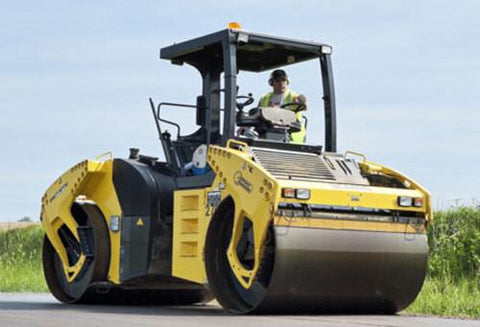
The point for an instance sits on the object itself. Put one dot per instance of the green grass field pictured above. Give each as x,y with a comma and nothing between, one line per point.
452,287
460,298
20,260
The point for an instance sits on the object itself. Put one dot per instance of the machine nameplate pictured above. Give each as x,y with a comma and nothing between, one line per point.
242,181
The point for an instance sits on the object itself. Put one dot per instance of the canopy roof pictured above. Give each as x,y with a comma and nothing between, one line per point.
255,52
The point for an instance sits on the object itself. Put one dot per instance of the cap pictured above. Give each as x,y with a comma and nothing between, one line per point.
279,73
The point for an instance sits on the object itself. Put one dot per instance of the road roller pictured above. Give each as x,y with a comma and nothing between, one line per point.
256,221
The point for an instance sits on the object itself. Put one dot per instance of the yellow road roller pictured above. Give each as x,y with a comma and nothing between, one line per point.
259,222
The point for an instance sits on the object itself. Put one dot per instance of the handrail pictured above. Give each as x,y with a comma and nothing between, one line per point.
358,154
106,154
173,105
242,146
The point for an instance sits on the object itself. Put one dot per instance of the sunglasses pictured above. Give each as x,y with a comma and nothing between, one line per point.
278,80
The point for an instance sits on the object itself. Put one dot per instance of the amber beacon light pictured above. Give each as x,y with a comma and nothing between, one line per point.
234,25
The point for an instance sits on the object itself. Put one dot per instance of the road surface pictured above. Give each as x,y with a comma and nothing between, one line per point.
38,310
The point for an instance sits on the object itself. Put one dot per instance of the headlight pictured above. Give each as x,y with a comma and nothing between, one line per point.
405,201
303,194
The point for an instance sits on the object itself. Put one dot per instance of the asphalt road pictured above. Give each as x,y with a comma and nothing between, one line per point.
32,310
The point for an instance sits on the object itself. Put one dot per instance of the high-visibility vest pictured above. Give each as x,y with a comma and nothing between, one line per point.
288,97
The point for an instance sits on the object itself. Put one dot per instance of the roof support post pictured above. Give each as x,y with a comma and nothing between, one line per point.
230,76
329,103
211,85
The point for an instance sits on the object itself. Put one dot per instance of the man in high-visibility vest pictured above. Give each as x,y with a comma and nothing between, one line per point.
280,96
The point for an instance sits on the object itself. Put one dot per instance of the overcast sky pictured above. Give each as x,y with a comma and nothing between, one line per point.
75,77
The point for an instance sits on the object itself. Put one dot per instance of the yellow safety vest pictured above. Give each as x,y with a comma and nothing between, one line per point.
288,97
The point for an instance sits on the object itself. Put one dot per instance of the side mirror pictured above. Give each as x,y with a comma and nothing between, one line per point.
201,110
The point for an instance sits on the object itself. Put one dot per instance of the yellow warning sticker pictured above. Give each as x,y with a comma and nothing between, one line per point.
139,222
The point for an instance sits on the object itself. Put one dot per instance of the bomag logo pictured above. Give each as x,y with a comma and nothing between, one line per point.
242,181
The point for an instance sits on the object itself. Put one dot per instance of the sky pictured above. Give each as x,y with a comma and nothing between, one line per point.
75,78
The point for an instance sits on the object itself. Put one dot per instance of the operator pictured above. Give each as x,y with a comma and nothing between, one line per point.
281,95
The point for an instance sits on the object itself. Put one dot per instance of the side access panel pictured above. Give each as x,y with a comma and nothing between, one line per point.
190,223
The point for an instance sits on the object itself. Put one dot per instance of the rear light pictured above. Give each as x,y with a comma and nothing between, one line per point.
418,202
405,201
288,193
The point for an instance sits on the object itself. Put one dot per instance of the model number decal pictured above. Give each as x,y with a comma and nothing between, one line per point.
60,191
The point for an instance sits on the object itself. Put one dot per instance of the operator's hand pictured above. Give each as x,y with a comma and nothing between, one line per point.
240,131
301,99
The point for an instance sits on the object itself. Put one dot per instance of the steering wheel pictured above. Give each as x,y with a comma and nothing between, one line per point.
249,101
297,107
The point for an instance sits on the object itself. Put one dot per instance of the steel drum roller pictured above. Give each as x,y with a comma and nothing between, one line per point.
327,271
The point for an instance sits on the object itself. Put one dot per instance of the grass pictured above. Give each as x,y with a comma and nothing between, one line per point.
460,298
20,260
452,287
454,241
